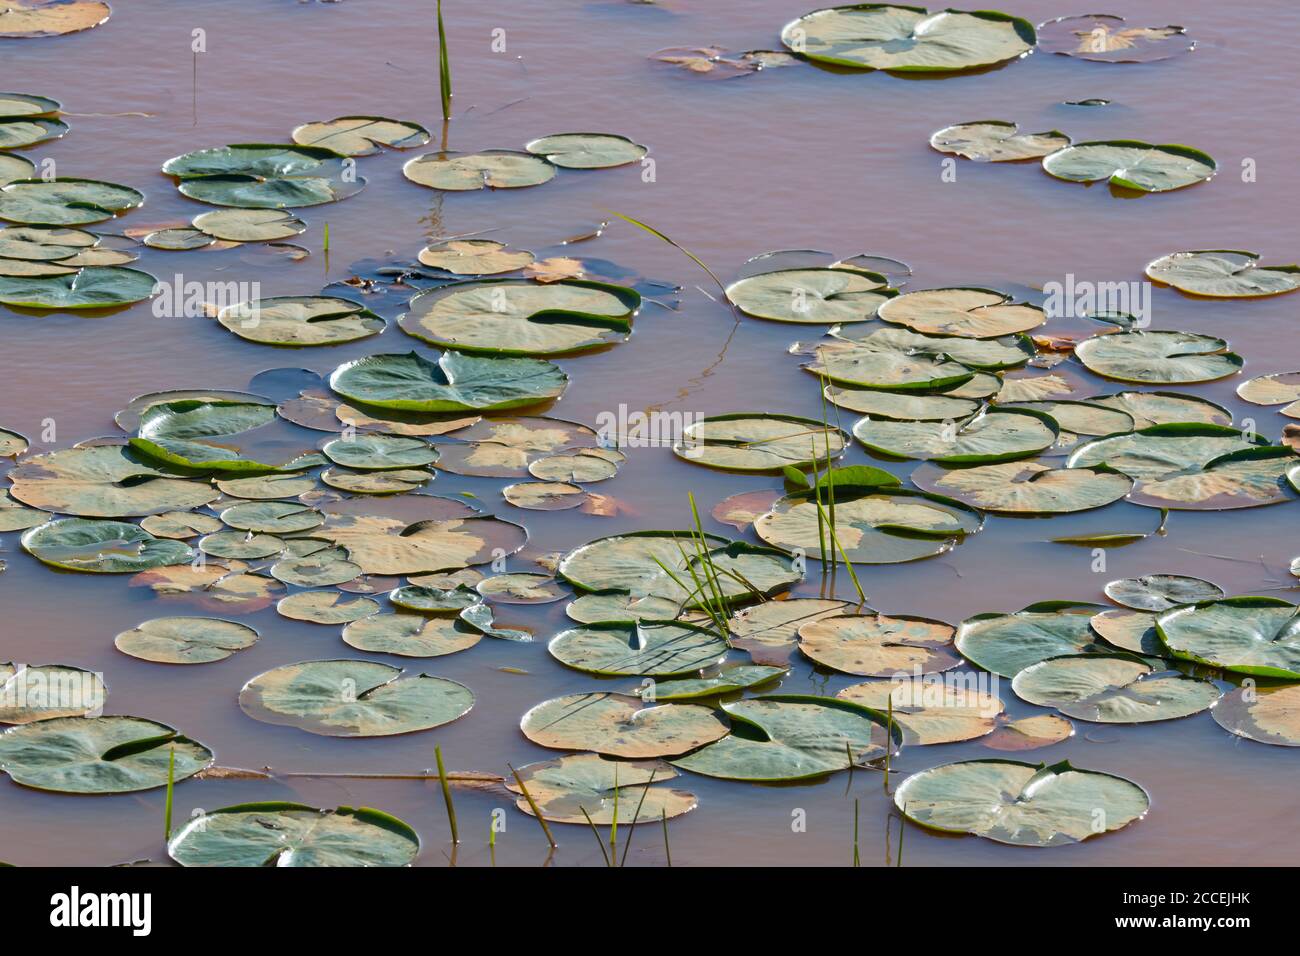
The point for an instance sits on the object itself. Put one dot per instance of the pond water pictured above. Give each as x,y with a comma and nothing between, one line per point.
797,158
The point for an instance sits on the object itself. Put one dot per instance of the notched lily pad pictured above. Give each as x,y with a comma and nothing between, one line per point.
996,141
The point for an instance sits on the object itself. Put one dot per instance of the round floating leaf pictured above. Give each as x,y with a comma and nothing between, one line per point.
811,296
321,569
16,133
241,546
474,257
900,407
1026,487
397,481
793,737
17,517
879,645
749,441
264,175
98,754
103,547
893,370
103,481
93,287
380,452
1280,388
178,240
361,135
1163,408
1270,715
1242,479
410,635
1160,451
996,141
65,202
300,320
618,725
995,435
454,383
1249,635
972,313
497,168
586,150
908,39
1106,39
1084,418
1223,273
1133,631
292,834
987,354
771,629
272,517
522,317
227,587
588,788
620,607
433,600
194,433
353,699
325,607
1131,164
389,546
521,589
872,526
586,465
30,694
25,104
1112,689
179,524
730,679
1158,358
545,495
1006,644
930,711
248,225
47,18
649,649
1020,803
1160,592
185,640
1030,733
504,447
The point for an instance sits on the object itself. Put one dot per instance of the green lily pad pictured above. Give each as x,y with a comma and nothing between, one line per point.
15,516
292,834
1270,715
970,313
98,754
1158,358
180,524
17,132
185,640
643,649
240,546
361,135
65,202
1223,274
522,317
1248,635
1160,592
619,726
752,441
1083,418
879,645
180,239
410,635
586,465
30,694
730,679
433,600
245,225
474,257
1160,451
621,607
1242,479
495,168
264,175
1133,631
545,495
1112,689
590,789
325,607
891,370
1006,644
1131,164
1022,804
301,320
318,570
521,589
453,383
394,482
896,406
380,452
1163,408
996,435
482,618
769,631
811,296
996,141
929,711
205,434
25,104
93,287
104,481
983,354
586,150
908,39
353,699
272,517
102,547
14,168
793,737
1025,487
390,546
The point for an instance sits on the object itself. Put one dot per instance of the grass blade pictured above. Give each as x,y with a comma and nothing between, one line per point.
171,782
594,832
444,67
446,794
537,812
663,818
680,248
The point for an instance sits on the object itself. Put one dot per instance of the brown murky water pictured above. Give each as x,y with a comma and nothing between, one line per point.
797,158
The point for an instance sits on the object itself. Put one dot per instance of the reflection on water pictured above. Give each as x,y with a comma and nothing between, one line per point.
795,158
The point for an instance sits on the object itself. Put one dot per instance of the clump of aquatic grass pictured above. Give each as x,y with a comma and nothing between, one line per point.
446,794
444,68
680,248
532,805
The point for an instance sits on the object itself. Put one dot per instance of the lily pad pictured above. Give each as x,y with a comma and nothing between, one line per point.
1025,487
93,287
730,679
1133,631
433,600
14,168
1160,451
98,754
1223,274
104,481
320,569
1162,408
47,18
811,296
1280,388
545,495
272,517
390,546
908,39
892,370
206,435
229,587
930,711
995,435
361,135
896,406
1248,635
586,150
326,607
410,635
180,524
971,313
25,104
590,789
495,168
393,482
353,699
1160,592
18,132
241,546
453,383
586,465
793,737
648,649
102,547
879,645
1242,479
185,640
1030,733
1006,644
621,607
1158,358
293,835
996,141
1131,164
521,588
1107,39
1022,804
474,257
380,452
752,441
265,175
1270,715
769,631
247,225
618,725
65,202
30,694
1112,689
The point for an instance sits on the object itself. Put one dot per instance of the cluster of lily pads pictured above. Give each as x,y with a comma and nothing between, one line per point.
512,169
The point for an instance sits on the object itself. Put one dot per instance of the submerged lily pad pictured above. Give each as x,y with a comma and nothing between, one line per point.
1030,733
353,699
265,175
1131,164
361,135
30,694
618,725
1223,274
1020,803
1270,715
908,39
293,835
586,150
811,296
1006,644
1112,689
454,383
98,754
495,168
996,141
879,645
185,640
930,711
1248,635
1106,39
102,547
1158,358
65,202
643,649
793,737
750,441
